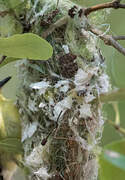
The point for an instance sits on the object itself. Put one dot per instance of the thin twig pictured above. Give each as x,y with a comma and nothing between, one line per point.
113,96
117,114
57,4
44,141
117,95
108,39
4,13
114,4
118,38
117,127
57,24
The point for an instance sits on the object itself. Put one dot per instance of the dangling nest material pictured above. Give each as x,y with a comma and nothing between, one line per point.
63,86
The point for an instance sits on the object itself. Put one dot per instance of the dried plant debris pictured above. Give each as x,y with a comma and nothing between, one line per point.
63,86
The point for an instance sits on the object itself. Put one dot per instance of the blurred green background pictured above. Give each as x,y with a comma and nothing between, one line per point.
115,68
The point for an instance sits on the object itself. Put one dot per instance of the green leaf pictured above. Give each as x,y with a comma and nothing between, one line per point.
115,159
26,45
11,145
112,161
8,60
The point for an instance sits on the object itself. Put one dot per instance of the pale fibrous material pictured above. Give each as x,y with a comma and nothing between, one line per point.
58,103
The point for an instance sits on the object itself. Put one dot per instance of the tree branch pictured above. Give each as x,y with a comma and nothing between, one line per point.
114,4
118,38
108,39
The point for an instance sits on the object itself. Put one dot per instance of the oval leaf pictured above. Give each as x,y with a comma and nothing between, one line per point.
115,159
26,45
112,161
8,60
